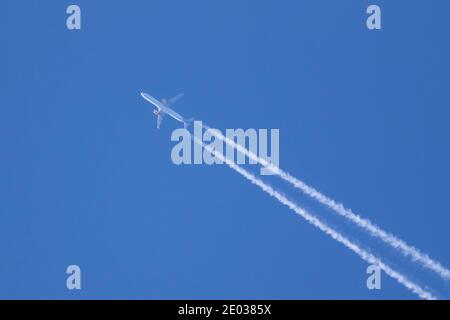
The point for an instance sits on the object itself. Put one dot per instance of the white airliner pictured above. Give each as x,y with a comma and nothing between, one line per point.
162,108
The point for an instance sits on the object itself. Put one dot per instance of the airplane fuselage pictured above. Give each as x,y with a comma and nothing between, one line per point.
162,108
172,113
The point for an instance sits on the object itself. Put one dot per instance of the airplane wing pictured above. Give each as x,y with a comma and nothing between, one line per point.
171,101
159,119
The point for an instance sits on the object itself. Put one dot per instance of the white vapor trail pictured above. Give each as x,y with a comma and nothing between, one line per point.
373,229
362,253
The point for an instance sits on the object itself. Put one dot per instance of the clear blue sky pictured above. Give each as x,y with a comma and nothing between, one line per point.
86,178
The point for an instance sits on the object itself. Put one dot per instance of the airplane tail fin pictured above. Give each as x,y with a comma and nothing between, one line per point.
188,122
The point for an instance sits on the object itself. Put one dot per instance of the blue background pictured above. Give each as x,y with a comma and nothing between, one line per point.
86,178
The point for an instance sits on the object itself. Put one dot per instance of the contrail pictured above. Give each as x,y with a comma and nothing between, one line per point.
362,253
373,229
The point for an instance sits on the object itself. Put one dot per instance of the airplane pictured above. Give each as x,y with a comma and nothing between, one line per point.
162,108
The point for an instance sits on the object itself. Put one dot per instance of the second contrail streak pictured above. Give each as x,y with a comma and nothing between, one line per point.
373,229
362,253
